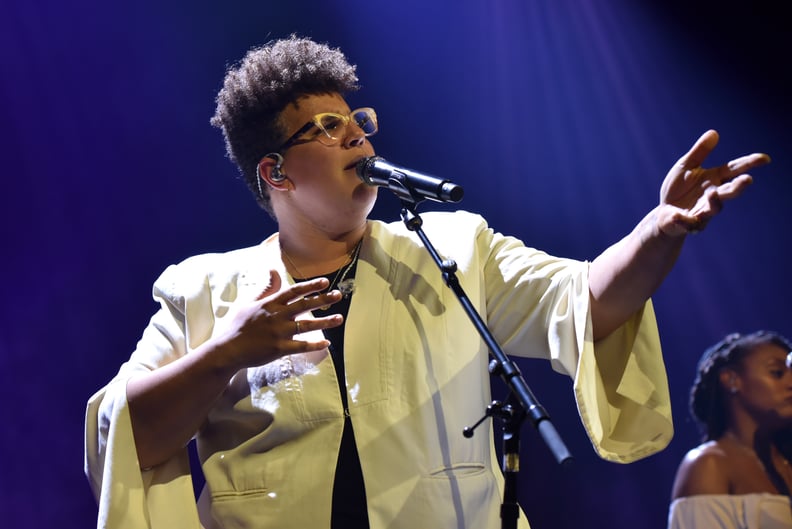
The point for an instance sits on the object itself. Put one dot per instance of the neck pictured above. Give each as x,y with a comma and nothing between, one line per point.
313,254
746,439
761,443
763,450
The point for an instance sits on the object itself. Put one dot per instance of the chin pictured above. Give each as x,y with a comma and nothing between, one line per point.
366,194
784,416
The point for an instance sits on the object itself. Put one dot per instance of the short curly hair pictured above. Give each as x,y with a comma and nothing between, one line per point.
256,91
707,399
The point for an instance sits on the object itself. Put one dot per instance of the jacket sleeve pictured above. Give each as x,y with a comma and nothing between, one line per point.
539,306
621,390
128,496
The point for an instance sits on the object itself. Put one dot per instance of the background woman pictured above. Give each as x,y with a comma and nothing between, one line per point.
740,476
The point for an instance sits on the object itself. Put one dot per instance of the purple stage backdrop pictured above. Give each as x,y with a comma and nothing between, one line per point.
559,118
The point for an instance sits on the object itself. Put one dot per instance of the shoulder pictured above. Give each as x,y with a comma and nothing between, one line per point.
450,231
202,270
217,261
459,219
704,470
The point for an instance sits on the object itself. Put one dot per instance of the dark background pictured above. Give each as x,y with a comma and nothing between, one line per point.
560,118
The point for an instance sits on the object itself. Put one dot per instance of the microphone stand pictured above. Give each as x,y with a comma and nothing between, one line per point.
520,403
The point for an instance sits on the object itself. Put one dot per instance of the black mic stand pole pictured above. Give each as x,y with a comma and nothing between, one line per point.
521,401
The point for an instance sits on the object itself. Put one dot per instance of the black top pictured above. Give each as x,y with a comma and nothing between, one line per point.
349,492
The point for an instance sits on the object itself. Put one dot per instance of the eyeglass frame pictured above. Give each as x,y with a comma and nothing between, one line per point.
293,139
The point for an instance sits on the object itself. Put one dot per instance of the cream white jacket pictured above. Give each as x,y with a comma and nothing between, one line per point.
416,375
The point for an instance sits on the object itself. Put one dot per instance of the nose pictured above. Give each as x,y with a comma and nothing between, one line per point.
788,373
355,137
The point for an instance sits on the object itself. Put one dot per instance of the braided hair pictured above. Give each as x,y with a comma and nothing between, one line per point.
707,398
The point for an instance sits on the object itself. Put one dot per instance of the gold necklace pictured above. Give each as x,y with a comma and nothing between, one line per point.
346,286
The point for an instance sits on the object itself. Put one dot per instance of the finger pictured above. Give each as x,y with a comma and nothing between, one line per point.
302,346
691,224
741,165
700,150
735,187
318,324
301,289
308,303
708,206
675,222
293,343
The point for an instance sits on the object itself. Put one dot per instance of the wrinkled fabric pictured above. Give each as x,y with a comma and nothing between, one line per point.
416,375
723,511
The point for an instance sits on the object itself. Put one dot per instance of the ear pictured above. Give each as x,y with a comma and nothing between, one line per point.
729,380
270,170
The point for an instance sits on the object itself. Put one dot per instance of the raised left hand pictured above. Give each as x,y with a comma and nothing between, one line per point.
691,195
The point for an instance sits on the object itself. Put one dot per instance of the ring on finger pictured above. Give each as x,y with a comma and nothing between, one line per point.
297,324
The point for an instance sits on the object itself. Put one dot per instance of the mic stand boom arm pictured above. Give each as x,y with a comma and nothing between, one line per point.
520,394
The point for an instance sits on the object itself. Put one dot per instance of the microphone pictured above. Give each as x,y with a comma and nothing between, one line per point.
407,184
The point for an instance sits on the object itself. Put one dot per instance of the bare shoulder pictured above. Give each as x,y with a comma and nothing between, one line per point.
704,470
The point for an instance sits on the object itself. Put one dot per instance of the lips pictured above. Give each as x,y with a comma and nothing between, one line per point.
353,165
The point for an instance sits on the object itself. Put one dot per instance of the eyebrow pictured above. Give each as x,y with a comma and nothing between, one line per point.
778,361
